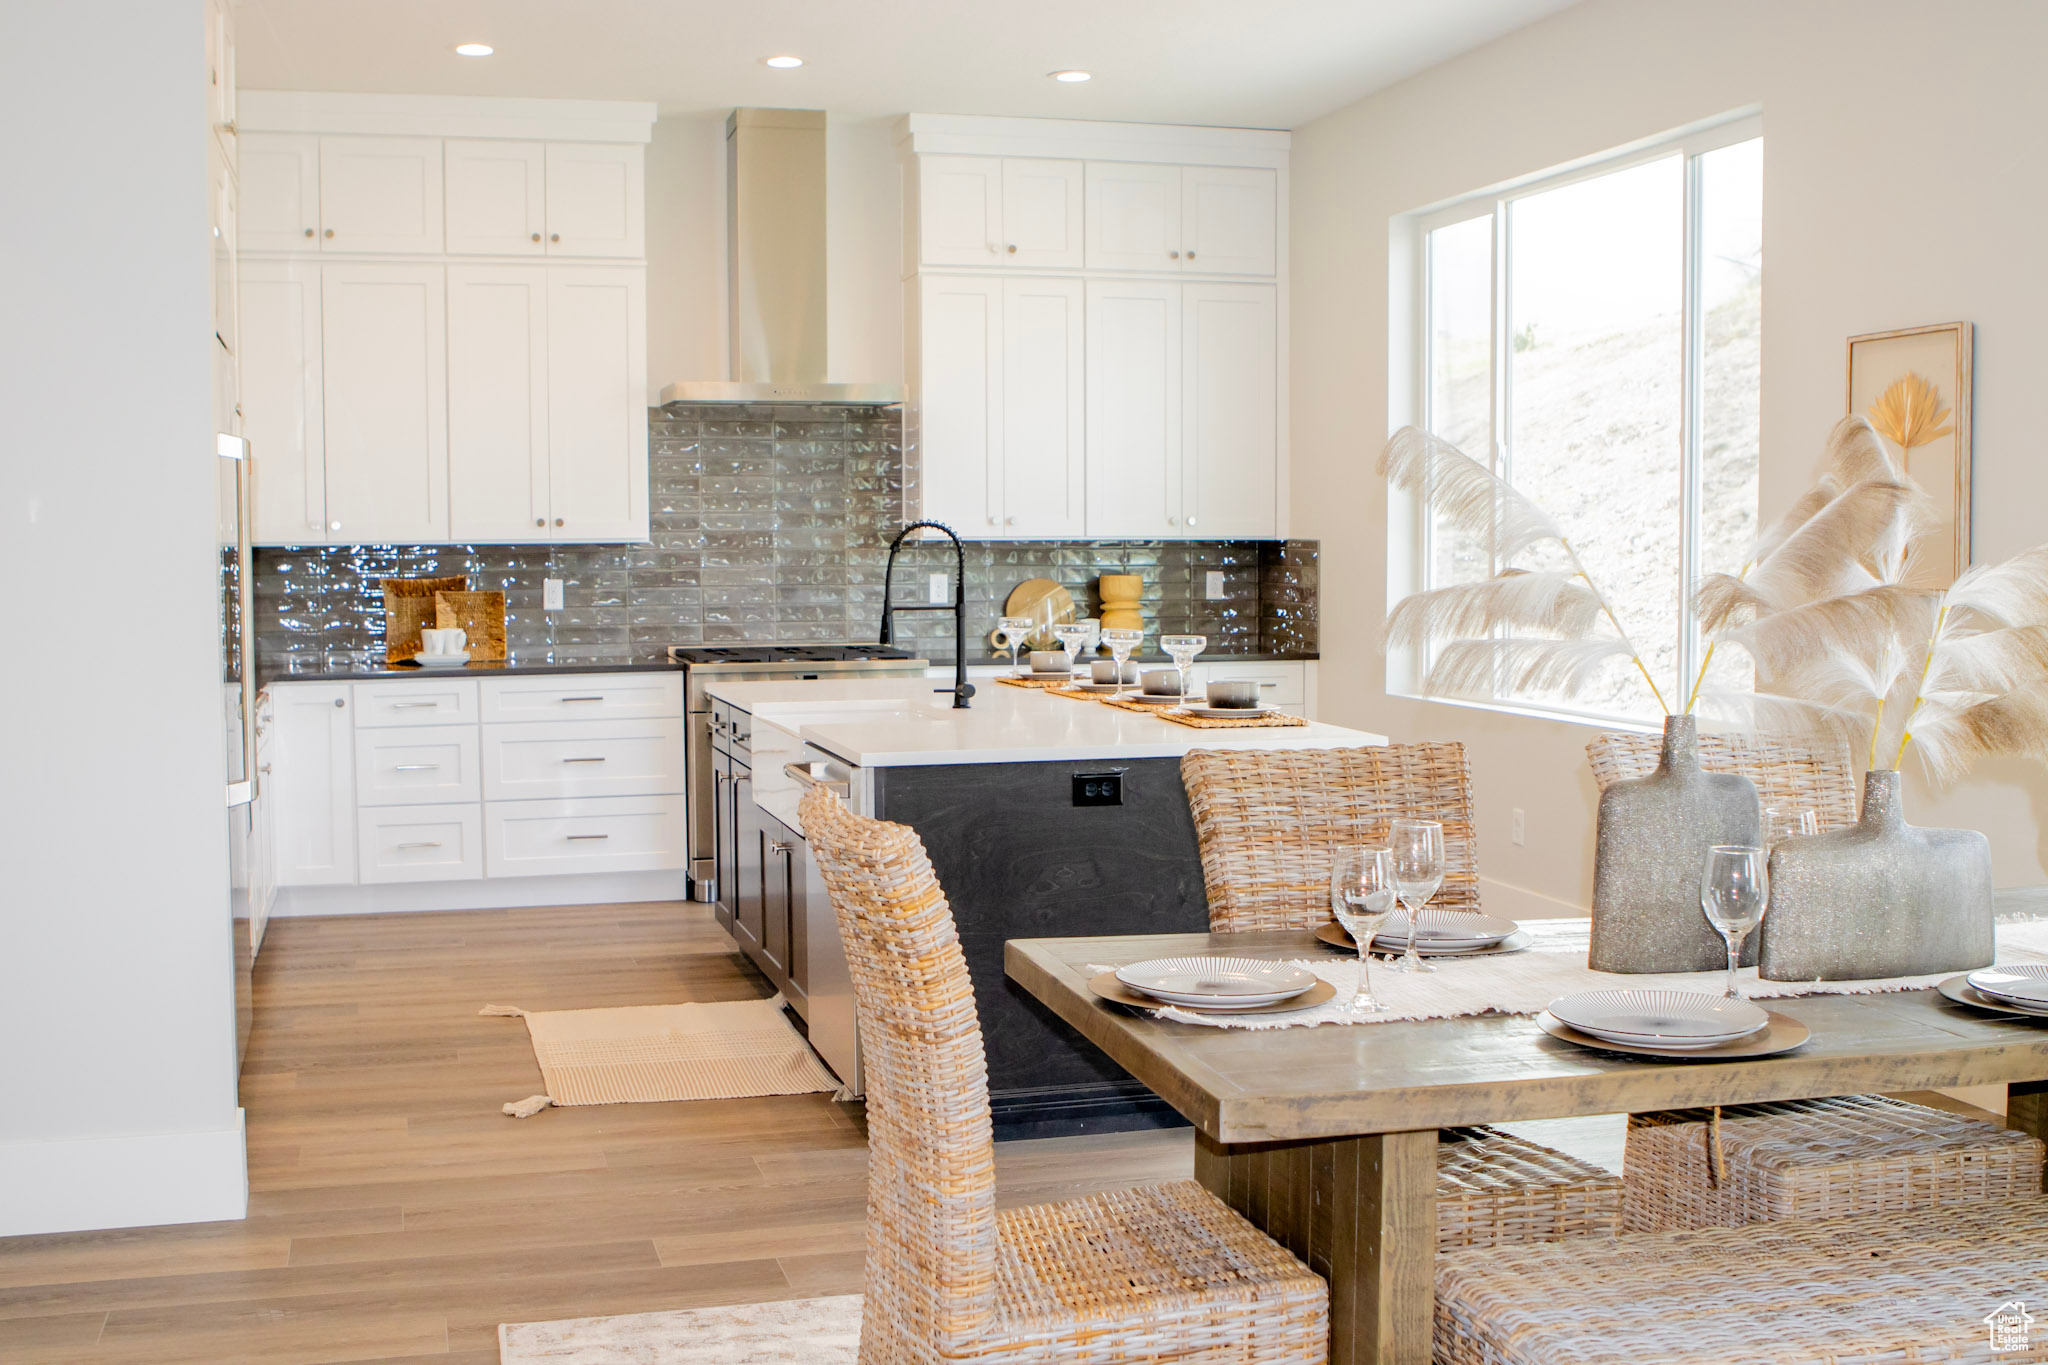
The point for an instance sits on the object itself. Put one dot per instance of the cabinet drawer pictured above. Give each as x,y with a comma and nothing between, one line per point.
583,758
596,834
427,701
407,766
421,843
586,696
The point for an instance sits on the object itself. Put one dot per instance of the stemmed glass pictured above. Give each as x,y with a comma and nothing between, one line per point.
1789,822
1417,848
1121,642
1361,897
1071,637
1016,630
1182,649
1735,890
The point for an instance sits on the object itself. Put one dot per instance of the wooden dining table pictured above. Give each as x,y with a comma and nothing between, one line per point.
1326,1137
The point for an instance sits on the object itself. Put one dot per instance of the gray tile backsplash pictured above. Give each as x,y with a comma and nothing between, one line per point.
771,524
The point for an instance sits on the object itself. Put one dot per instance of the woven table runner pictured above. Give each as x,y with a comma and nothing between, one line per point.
1205,722
1034,682
1554,965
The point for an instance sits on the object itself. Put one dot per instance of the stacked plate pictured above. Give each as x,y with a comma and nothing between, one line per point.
1216,983
1662,1019
2022,986
1443,933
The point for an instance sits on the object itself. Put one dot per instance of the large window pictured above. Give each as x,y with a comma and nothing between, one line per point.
1595,337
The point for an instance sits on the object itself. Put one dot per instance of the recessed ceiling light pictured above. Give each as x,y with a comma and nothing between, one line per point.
474,49
783,63
1071,77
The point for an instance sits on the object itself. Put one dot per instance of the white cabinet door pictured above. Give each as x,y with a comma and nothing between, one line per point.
1044,416
1042,213
1230,413
960,402
960,210
596,199
1133,216
597,403
383,338
498,402
280,174
1134,408
281,412
1229,220
497,197
312,787
380,194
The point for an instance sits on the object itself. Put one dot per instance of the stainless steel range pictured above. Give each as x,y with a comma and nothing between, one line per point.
704,664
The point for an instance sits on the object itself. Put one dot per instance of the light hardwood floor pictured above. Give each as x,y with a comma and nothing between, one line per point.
396,1215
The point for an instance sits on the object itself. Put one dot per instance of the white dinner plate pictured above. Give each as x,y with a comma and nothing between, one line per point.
1445,930
2022,985
1211,982
1101,687
425,660
1044,673
1660,1018
1154,699
1230,712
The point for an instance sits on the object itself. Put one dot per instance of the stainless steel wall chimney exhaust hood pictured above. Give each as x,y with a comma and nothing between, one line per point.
775,267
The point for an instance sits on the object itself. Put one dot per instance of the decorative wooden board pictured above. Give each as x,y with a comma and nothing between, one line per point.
1033,599
479,615
409,606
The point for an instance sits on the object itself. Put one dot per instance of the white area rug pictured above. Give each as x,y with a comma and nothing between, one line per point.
791,1332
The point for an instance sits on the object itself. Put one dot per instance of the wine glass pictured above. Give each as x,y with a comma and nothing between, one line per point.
1735,890
1016,630
1789,822
1121,642
1417,848
1182,649
1362,896
1071,635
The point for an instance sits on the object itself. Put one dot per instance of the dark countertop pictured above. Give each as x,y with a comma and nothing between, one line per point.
508,667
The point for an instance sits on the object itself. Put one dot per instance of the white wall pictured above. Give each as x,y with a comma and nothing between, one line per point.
1901,187
116,987
686,279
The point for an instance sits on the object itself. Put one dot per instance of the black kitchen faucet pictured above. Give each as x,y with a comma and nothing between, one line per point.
961,688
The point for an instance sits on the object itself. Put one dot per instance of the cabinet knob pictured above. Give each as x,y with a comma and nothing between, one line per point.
1009,521
329,232
536,236
1191,521
334,526
309,232
1191,255
1174,254
1013,248
540,521
992,248
340,702
1171,522
554,236
558,521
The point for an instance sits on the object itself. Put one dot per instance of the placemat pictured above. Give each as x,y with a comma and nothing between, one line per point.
1204,722
1555,965
1032,682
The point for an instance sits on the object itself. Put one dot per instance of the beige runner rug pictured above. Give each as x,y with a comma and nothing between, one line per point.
652,1053
789,1332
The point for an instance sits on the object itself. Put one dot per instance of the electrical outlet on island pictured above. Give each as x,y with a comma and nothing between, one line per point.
1213,585
551,594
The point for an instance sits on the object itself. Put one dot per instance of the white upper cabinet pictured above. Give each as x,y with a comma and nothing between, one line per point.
383,335
1134,408
1229,220
381,194
497,197
1044,427
960,210
281,400
959,400
1041,222
597,403
497,402
596,199
280,175
1133,217
1229,410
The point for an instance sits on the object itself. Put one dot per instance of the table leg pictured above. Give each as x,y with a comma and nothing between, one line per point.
2026,1108
1361,1213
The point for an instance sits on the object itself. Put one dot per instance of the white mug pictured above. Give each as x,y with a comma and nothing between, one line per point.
441,643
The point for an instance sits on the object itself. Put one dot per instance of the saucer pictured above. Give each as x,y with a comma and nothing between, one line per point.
426,660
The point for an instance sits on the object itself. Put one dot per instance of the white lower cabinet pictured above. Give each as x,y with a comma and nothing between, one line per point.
591,834
583,758
410,767
312,784
421,843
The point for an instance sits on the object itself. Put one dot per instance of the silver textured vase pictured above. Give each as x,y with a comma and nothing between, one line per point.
1882,898
1654,835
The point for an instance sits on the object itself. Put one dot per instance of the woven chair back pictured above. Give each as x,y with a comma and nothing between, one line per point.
1787,774
1270,823
931,1243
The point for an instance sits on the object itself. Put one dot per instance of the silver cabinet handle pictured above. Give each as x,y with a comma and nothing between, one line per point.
422,843
719,779
814,775
575,837
598,759
415,767
779,847
596,698
415,705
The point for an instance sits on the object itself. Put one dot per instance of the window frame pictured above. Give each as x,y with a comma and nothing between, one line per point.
1411,531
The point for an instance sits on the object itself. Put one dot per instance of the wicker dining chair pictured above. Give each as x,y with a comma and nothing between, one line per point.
1268,822
1157,1274
1816,775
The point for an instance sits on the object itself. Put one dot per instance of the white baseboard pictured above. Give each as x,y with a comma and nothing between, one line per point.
491,893
1516,902
144,1180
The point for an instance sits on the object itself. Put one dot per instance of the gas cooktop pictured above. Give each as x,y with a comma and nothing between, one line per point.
699,656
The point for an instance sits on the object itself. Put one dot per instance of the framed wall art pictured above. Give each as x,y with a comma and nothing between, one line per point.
1914,386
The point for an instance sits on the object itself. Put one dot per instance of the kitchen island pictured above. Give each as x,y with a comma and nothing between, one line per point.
1043,816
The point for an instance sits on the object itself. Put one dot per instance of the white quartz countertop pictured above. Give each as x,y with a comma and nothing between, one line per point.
900,722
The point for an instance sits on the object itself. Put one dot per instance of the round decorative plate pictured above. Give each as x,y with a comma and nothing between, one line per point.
1959,989
1659,1018
1445,929
1153,699
1116,992
1781,1035
1212,981
1332,934
2022,984
1033,599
